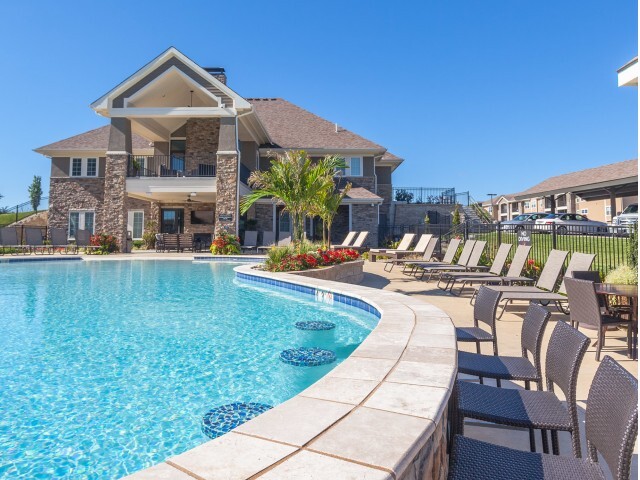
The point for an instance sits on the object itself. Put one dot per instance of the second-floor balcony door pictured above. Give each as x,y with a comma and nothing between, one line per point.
178,150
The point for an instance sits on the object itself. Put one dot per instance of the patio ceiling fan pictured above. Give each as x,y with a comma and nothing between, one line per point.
190,198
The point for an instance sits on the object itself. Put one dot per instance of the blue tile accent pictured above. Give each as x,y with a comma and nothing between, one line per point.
225,418
227,259
38,259
307,356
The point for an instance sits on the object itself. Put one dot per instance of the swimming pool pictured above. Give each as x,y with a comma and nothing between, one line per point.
109,367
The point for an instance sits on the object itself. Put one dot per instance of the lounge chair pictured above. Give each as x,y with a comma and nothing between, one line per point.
83,240
448,258
543,290
9,241
403,246
427,256
185,241
439,268
351,236
496,269
170,242
419,249
250,240
358,245
35,241
59,241
284,239
473,262
268,240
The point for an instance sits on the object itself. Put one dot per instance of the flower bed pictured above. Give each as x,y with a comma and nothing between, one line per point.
311,260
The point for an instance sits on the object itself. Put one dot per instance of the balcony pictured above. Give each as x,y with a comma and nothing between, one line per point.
171,166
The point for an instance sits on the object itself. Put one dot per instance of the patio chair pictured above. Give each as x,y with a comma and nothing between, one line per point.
284,239
9,241
543,290
403,246
346,243
59,241
170,242
83,240
419,249
35,241
358,245
449,256
427,256
471,264
268,240
484,311
250,240
532,409
438,268
584,307
513,368
611,424
159,242
185,241
494,271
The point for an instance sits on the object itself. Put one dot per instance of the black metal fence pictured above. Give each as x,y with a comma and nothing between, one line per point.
9,215
612,245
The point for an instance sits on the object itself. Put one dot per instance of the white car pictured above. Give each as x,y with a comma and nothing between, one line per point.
626,219
568,223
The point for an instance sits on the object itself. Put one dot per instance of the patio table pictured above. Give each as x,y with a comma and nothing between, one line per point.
627,291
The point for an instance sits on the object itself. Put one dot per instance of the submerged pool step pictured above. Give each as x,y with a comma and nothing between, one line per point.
225,418
315,325
307,356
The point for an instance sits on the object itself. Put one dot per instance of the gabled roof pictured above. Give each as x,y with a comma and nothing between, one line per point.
96,140
361,195
290,126
612,175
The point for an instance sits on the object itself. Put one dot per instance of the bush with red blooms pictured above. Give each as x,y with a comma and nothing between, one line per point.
307,261
107,243
225,243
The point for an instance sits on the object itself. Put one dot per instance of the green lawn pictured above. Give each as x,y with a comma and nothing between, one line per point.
7,218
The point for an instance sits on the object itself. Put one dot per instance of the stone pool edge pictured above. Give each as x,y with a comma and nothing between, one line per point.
381,413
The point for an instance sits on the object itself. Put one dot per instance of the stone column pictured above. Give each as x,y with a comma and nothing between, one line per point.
114,215
227,177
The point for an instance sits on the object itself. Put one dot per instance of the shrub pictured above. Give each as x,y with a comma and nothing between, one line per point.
225,244
149,235
403,195
632,255
107,243
624,274
138,244
532,269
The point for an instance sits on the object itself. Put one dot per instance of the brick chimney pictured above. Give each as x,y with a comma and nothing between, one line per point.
218,73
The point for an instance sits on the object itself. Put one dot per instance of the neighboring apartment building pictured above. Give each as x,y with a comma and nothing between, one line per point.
590,192
179,150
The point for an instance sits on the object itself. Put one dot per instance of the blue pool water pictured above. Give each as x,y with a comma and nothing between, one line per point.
109,367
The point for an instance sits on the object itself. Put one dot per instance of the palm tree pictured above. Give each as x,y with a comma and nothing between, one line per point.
296,182
328,207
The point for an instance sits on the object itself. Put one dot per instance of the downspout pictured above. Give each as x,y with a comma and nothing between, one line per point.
238,179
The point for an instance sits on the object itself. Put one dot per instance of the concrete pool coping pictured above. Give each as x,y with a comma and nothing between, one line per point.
370,417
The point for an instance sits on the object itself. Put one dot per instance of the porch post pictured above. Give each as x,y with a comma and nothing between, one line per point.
227,177
114,214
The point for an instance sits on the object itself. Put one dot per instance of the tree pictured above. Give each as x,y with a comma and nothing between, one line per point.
327,208
404,196
35,192
455,221
296,182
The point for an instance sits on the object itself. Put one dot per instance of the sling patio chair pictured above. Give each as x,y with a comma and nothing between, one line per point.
611,427
403,246
284,239
268,240
449,257
348,240
484,311
419,249
543,292
532,409
494,271
10,242
83,240
472,263
427,256
250,241
358,245
59,241
509,367
585,308
35,241
438,268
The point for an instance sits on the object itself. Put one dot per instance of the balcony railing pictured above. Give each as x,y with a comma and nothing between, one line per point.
170,166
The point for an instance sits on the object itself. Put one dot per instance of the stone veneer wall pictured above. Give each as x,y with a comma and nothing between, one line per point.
202,141
114,219
75,194
365,218
198,228
350,272
432,461
227,194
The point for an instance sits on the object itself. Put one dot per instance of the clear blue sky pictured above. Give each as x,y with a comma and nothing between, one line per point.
487,96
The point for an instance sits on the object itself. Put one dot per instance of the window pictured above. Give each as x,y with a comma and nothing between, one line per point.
84,167
83,220
584,211
353,167
607,211
285,222
135,224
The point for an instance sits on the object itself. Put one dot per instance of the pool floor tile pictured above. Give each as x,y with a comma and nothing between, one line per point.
232,457
321,467
296,421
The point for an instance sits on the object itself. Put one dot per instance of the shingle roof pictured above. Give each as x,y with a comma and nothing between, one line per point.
97,139
390,157
290,126
582,178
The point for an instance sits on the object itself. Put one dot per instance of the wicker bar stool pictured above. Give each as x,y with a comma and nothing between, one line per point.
611,430
532,409
585,308
484,310
513,368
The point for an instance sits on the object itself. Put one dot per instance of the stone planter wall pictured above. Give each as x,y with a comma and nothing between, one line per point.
350,272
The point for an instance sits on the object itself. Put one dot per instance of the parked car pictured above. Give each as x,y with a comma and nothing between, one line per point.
567,223
626,219
521,221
